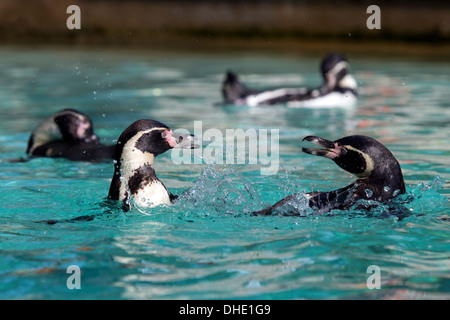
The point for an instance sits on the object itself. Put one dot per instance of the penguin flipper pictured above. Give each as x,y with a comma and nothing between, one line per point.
270,210
173,197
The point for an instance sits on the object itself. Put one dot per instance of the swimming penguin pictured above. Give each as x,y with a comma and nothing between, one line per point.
134,175
68,134
338,89
379,174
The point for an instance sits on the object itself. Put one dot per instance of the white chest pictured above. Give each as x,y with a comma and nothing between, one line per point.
331,100
152,195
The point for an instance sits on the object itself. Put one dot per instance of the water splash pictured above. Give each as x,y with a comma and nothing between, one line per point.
413,202
220,191
297,205
435,185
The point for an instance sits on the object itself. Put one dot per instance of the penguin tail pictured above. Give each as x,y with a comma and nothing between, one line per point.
232,89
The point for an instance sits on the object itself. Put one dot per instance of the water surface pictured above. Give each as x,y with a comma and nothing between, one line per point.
210,247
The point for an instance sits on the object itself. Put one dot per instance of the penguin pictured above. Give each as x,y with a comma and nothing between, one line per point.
379,174
69,134
339,89
134,175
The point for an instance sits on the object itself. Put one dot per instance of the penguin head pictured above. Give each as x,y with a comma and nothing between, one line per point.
75,126
145,139
362,156
67,125
335,70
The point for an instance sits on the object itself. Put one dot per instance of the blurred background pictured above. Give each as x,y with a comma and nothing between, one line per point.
423,26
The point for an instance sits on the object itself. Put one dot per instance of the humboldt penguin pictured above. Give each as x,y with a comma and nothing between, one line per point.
339,89
69,134
379,174
134,175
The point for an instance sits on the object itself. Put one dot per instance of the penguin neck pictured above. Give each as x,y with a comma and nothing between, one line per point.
139,181
380,187
134,161
130,164
137,178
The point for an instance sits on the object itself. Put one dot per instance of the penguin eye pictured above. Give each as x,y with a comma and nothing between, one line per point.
343,150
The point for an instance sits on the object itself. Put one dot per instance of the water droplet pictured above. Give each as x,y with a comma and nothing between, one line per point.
386,189
369,193
396,192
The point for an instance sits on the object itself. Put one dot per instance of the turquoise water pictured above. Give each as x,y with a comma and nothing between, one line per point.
208,246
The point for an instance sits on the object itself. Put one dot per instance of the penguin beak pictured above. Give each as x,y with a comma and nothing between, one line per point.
181,140
332,149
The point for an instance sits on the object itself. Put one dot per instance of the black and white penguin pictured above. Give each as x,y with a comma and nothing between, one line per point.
379,174
134,174
68,134
338,89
